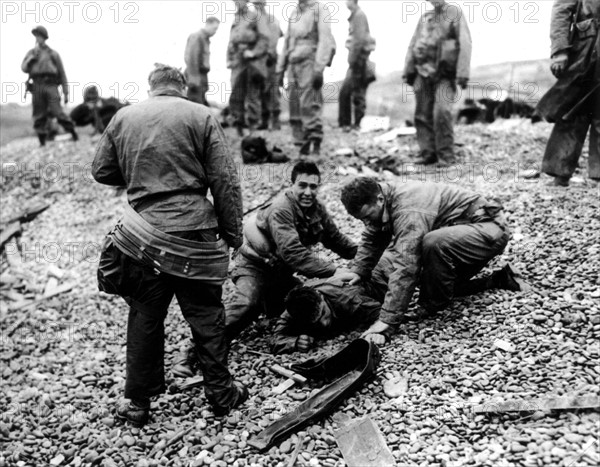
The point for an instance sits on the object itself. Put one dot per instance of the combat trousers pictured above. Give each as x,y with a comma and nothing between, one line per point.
306,103
353,91
566,143
452,256
258,288
433,117
246,92
197,93
149,296
46,103
271,96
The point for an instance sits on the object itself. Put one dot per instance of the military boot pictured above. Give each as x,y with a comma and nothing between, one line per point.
74,135
42,139
275,123
183,363
264,124
135,412
297,133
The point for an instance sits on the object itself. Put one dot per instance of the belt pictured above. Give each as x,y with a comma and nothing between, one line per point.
45,78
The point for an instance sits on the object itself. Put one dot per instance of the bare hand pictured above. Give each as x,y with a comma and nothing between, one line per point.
376,333
559,64
304,343
349,277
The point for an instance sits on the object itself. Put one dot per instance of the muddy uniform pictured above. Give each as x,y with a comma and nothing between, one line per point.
250,34
45,68
309,48
350,306
197,63
169,152
438,55
441,236
354,90
291,232
582,45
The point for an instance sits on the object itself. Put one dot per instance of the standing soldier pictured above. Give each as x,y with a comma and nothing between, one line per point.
46,72
573,103
247,58
438,58
309,48
172,240
271,105
360,44
197,61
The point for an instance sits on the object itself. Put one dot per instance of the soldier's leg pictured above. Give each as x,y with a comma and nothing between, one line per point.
359,98
443,125
274,100
311,103
202,308
255,89
454,254
594,156
55,109
204,87
293,93
564,147
40,111
425,99
345,101
238,96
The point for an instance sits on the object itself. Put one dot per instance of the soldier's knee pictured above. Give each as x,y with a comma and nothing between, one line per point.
433,243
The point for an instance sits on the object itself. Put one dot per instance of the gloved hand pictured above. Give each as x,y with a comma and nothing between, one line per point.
304,343
462,82
317,81
559,64
410,79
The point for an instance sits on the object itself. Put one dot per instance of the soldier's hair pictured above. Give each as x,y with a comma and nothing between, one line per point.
164,75
212,20
307,168
303,304
359,192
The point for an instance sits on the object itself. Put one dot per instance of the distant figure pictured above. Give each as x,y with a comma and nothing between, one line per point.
197,61
438,59
247,55
309,48
46,72
271,96
360,44
95,110
573,103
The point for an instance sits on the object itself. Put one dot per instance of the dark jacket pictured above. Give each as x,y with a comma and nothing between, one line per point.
44,61
350,308
292,231
197,57
411,210
441,46
574,30
169,152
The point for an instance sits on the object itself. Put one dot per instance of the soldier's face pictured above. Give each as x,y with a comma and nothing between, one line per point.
211,29
351,5
39,40
306,188
371,214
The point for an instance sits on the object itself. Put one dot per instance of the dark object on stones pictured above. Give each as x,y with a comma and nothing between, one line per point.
255,151
346,371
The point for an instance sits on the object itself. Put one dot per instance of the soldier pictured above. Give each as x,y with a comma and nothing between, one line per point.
95,110
247,55
172,240
360,44
438,59
271,105
46,72
197,61
441,236
322,308
309,48
573,103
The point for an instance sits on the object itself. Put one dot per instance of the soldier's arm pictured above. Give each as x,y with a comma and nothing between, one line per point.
412,227
263,33
29,59
326,46
106,168
373,243
62,76
291,250
193,54
284,336
409,65
283,57
560,25
463,67
335,240
360,36
223,182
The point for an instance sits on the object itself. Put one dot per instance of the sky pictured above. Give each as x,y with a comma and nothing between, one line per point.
115,44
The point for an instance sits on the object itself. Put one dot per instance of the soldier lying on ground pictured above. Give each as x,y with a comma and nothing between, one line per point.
95,110
322,308
441,236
